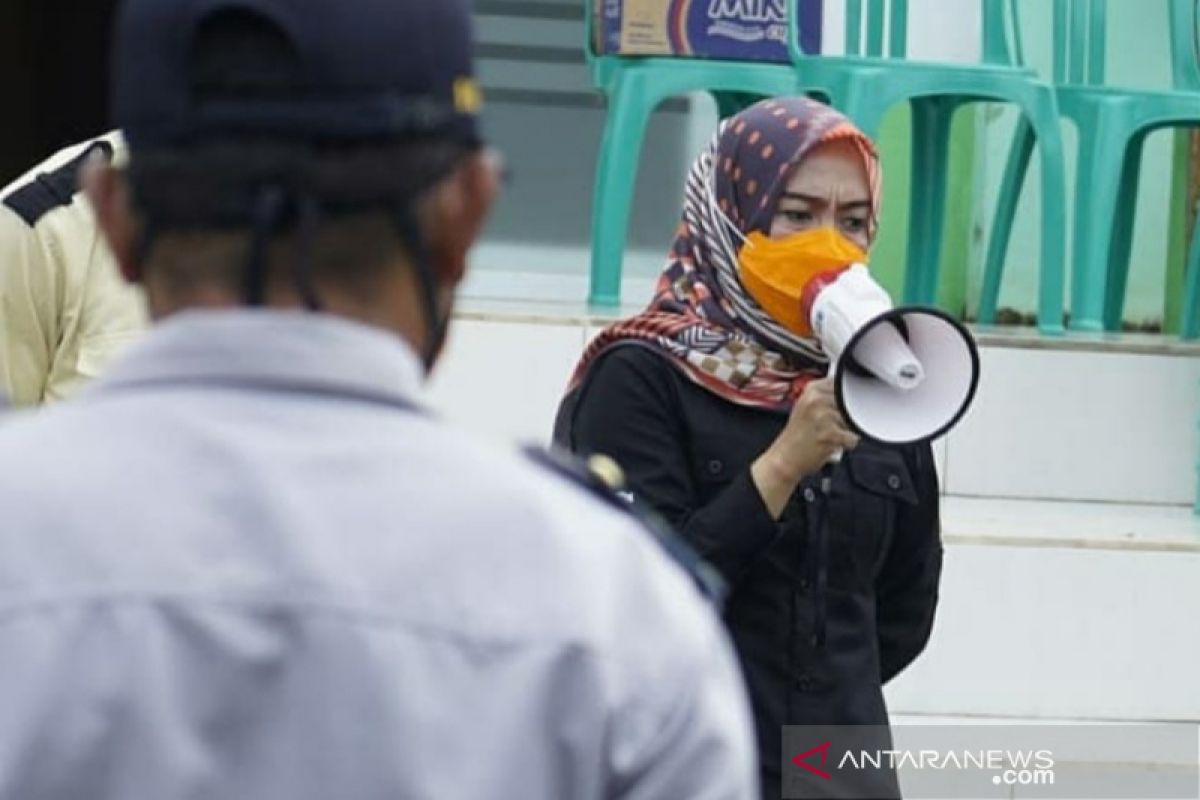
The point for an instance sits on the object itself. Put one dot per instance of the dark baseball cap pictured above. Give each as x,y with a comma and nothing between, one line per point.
365,70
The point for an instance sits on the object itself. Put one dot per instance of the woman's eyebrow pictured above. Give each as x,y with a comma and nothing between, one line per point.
809,198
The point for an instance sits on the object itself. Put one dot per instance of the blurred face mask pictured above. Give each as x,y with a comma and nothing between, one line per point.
779,273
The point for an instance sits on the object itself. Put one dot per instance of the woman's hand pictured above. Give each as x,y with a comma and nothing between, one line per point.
815,431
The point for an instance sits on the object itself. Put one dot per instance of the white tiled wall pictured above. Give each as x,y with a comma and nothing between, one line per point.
1061,633
505,379
1080,426
940,460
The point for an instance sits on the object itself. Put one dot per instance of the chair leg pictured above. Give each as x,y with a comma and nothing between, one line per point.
1096,197
1122,238
931,121
1053,256
616,176
1006,210
1190,326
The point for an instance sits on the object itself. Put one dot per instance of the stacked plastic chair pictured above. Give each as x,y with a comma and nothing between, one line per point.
1113,123
865,84
635,86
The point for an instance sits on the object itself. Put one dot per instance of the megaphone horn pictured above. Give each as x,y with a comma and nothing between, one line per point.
902,375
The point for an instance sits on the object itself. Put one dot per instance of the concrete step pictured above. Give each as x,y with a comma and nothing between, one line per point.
1063,611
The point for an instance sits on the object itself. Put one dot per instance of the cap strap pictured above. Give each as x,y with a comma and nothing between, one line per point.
268,214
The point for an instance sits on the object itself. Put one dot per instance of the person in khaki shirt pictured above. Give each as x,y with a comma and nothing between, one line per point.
65,310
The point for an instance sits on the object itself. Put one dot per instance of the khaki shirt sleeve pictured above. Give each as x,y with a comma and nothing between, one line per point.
65,310
30,294
101,313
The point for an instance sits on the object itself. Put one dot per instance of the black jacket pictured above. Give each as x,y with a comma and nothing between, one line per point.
820,620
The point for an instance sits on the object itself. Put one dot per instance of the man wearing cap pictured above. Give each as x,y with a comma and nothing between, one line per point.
246,563
65,312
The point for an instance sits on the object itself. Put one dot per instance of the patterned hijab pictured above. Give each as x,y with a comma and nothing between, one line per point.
701,317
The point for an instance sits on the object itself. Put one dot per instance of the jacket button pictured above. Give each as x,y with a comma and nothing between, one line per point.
893,482
809,494
715,467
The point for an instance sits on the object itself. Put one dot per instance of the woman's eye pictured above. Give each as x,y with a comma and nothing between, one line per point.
797,217
854,224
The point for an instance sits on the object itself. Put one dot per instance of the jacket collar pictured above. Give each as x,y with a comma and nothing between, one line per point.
291,351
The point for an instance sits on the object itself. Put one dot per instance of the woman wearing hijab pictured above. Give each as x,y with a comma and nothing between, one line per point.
715,402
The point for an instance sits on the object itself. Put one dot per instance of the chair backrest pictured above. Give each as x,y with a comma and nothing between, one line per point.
1002,33
1185,58
1081,38
879,29
878,20
590,9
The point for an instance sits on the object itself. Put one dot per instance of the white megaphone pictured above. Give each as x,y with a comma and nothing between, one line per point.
902,375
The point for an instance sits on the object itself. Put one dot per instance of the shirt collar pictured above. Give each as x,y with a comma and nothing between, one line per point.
287,350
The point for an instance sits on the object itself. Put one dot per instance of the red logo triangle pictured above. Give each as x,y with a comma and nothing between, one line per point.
823,749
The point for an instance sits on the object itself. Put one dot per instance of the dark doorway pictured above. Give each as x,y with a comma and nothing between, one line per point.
53,77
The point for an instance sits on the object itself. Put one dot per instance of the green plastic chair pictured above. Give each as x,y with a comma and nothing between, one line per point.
866,85
635,86
1113,124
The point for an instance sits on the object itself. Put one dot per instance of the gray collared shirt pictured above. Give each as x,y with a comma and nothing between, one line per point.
241,566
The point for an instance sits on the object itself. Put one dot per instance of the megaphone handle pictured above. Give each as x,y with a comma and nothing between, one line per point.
827,470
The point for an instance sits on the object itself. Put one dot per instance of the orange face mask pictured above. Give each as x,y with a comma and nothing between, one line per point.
776,272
